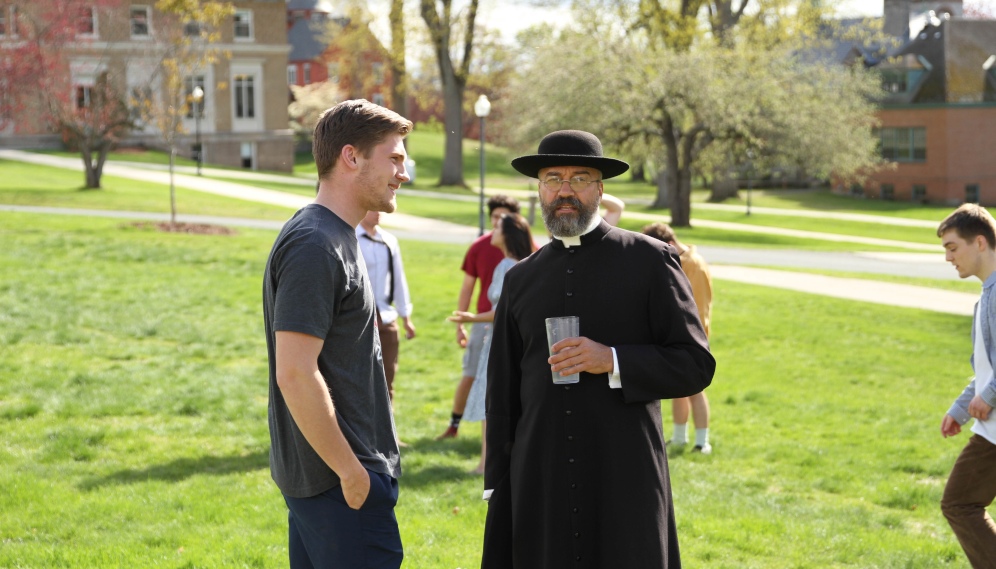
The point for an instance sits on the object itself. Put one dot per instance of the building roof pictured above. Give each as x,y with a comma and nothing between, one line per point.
947,61
308,37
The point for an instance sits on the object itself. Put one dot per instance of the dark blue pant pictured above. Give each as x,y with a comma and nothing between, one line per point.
326,533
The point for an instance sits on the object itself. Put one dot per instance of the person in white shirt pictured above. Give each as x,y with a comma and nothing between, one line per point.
969,239
382,255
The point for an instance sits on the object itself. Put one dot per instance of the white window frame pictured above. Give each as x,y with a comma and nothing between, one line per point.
292,74
253,68
333,74
96,31
148,22
235,27
307,73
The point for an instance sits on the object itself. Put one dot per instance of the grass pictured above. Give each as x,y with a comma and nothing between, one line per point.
30,184
133,399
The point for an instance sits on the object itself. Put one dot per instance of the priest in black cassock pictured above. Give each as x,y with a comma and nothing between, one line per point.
576,475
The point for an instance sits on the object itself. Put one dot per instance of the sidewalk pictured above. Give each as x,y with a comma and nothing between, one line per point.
907,296
295,201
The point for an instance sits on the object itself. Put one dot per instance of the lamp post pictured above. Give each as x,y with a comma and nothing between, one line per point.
482,108
750,168
198,97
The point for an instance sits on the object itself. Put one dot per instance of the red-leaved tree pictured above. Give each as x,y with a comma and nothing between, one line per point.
979,10
36,79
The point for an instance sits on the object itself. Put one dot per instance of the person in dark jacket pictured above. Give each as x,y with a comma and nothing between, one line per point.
576,475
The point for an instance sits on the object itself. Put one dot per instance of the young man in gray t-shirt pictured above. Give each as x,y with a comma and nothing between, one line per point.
333,446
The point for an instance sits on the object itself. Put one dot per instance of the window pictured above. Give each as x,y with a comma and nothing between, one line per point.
333,72
192,29
292,74
82,96
888,192
972,193
307,73
903,144
919,193
140,21
141,102
245,104
3,22
894,81
378,99
188,84
857,190
378,73
243,24
87,23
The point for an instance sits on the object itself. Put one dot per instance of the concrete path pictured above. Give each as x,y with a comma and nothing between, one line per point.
919,265
451,232
220,173
798,233
414,228
891,294
429,230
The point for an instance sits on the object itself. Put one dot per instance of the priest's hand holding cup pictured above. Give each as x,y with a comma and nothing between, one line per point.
574,355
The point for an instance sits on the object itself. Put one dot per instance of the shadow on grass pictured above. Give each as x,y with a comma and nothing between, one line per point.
183,468
432,475
465,447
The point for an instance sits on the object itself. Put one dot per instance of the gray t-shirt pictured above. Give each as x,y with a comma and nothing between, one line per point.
316,283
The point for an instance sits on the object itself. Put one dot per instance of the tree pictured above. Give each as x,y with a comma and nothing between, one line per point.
183,39
979,10
453,74
685,104
310,101
399,75
36,80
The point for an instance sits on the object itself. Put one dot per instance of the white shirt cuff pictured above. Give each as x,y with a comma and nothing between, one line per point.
615,382
487,495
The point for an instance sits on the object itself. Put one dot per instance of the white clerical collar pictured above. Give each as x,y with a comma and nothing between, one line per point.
596,220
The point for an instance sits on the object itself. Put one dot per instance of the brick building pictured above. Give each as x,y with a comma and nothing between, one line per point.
938,119
360,67
243,119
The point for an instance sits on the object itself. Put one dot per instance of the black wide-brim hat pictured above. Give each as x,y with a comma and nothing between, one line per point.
569,148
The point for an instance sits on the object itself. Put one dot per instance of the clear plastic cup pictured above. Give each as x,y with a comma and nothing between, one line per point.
558,329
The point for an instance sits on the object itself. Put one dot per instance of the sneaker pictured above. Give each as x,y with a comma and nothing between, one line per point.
707,449
450,433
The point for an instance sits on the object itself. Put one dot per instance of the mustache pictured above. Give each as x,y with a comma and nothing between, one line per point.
571,201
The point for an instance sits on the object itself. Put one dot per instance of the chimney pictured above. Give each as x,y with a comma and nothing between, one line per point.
897,18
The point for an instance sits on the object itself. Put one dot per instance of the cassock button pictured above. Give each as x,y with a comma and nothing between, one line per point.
567,388
568,412
571,251
579,558
570,437
570,271
575,510
577,535
570,294
573,486
570,460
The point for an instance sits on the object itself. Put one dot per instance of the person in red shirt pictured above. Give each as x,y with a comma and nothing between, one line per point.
478,264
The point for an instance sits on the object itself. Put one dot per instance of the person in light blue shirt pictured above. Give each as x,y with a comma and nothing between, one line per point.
969,239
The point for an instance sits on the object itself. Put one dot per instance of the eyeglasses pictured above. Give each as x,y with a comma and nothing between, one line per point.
577,183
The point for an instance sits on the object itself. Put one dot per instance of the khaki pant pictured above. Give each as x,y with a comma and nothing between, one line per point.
970,490
389,351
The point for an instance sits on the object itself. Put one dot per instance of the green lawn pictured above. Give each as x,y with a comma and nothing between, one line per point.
30,184
133,415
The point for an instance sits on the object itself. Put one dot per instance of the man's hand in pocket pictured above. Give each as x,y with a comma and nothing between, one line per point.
356,487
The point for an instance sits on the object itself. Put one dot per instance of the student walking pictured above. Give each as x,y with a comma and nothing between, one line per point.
333,445
969,239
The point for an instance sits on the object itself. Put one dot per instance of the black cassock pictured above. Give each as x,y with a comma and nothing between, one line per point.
579,472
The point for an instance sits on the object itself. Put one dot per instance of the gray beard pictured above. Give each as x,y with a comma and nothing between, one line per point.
569,225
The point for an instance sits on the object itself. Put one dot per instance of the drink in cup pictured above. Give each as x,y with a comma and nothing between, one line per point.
561,328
